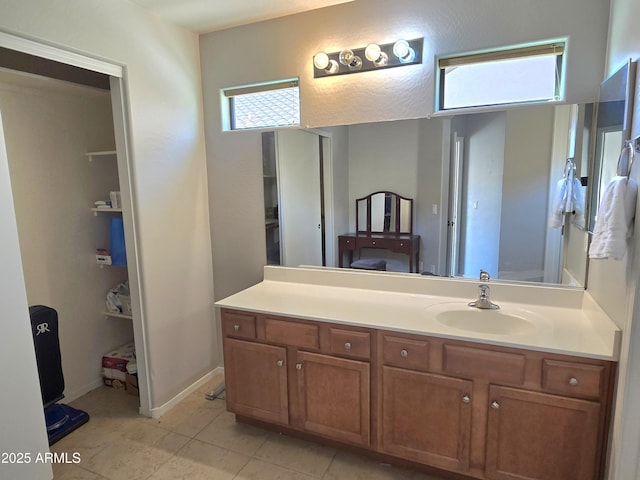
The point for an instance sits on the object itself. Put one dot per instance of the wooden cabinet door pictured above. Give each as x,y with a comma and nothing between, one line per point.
427,418
536,436
334,396
256,380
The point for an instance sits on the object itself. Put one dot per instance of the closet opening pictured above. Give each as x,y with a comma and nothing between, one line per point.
68,157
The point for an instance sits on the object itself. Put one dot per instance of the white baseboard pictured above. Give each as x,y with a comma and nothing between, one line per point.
77,393
161,410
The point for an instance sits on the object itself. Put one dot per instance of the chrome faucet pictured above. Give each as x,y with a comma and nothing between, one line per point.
484,276
483,301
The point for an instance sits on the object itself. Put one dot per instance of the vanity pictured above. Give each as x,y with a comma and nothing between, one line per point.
400,366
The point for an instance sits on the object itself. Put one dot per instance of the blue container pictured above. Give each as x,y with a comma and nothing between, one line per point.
118,251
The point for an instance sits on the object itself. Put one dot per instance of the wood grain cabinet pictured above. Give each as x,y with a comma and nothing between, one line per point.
256,380
306,376
534,435
483,411
427,418
334,397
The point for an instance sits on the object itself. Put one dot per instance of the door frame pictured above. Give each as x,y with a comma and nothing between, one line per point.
326,184
456,173
120,107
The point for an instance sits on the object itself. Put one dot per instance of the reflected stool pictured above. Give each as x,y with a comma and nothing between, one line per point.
370,264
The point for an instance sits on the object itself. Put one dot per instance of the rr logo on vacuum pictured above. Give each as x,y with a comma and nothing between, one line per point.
42,328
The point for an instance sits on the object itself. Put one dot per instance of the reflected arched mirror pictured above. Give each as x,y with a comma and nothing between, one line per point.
384,212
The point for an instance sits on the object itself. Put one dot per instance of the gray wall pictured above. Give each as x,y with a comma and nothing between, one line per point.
524,198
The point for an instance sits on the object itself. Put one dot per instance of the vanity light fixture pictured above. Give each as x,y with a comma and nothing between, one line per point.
373,57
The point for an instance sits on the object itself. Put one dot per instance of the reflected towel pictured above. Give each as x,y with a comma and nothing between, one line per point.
568,199
614,224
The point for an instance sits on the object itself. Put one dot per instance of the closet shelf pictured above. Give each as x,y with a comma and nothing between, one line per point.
105,210
104,153
117,315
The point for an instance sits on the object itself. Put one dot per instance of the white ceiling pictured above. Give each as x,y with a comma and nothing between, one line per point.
202,16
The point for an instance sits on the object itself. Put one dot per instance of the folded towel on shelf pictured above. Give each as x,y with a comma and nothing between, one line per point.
614,224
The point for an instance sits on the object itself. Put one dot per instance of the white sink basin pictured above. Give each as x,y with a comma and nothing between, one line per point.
494,322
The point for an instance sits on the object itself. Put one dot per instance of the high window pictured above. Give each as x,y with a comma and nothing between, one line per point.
510,76
263,106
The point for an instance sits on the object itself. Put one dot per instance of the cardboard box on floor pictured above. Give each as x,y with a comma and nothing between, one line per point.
114,366
132,384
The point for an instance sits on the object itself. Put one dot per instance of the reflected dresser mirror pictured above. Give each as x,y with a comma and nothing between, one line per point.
384,212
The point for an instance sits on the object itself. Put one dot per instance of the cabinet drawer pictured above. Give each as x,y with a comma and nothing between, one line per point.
368,242
405,353
487,364
572,378
239,325
349,343
291,333
347,243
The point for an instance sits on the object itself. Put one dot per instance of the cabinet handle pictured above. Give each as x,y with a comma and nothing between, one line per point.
347,346
573,381
298,366
404,353
280,363
466,399
236,327
495,405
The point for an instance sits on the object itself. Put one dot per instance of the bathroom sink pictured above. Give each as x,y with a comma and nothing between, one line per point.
493,322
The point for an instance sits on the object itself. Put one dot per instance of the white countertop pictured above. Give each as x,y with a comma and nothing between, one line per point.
311,294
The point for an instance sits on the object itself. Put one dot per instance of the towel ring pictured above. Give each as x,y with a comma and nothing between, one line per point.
569,167
630,146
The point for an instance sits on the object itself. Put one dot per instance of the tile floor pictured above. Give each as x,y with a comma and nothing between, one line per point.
199,439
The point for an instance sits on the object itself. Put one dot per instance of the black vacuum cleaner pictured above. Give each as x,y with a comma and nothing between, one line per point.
61,419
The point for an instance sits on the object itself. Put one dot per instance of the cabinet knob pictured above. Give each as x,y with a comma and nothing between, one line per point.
401,244
466,399
495,405
298,366
347,345
236,327
573,381
280,363
373,243
404,353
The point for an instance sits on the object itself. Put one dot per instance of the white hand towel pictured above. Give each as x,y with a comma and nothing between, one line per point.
559,201
615,219
578,201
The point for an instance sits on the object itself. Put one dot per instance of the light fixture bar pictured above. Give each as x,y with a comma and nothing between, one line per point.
406,52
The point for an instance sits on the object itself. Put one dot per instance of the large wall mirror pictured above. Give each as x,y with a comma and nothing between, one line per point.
482,186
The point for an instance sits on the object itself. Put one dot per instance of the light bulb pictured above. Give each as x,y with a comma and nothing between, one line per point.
401,48
403,51
321,60
346,56
333,67
372,52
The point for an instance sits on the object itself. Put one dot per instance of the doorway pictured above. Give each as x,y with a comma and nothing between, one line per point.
297,182
51,64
